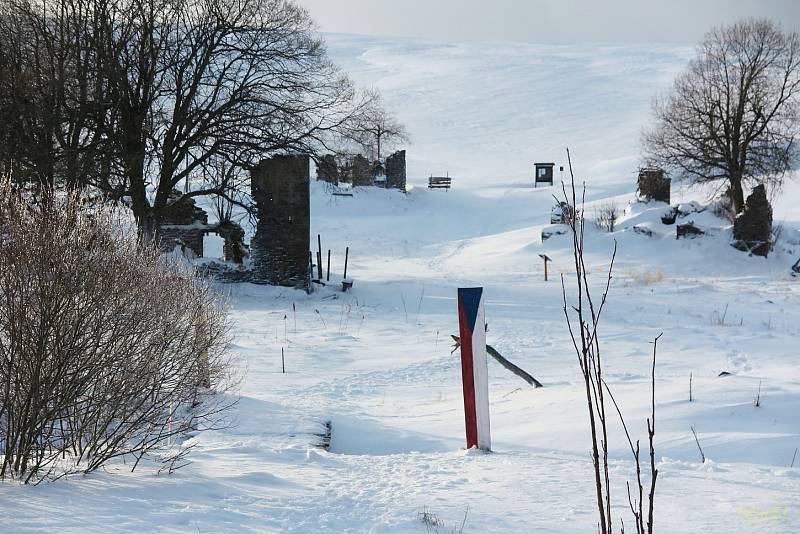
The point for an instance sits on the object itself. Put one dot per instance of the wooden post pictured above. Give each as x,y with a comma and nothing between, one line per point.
283,362
346,255
546,259
319,256
328,276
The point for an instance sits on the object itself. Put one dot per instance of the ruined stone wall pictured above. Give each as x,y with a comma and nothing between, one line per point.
361,171
396,170
752,229
185,237
183,223
233,248
280,247
653,185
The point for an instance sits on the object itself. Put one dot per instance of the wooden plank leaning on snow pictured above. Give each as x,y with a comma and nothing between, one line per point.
502,361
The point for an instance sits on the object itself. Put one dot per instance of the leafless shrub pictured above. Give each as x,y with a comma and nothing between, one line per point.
721,318
436,525
583,318
107,349
605,217
757,399
430,519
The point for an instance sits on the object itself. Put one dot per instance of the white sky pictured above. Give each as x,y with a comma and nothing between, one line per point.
544,20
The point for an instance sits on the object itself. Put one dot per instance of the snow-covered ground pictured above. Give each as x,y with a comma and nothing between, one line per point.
376,362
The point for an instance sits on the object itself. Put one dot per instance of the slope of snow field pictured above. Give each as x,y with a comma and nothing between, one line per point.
376,361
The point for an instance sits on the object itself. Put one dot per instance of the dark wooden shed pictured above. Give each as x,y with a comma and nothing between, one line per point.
543,173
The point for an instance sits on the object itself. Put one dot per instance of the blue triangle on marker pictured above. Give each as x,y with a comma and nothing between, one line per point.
470,298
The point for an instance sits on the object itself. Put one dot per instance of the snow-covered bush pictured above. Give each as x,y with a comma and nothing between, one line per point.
107,349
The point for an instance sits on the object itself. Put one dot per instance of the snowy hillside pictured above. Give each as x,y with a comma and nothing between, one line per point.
376,362
487,111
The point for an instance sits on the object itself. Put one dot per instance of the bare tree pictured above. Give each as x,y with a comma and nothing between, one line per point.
170,88
375,127
51,106
243,79
733,114
107,349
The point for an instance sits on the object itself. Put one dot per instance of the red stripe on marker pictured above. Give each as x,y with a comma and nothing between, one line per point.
468,378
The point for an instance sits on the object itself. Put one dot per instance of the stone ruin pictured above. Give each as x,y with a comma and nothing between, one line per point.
396,171
359,171
654,185
280,248
752,228
233,249
184,225
687,230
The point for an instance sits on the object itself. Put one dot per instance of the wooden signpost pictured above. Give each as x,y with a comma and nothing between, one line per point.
546,259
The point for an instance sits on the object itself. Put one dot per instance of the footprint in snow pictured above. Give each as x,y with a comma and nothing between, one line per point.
739,361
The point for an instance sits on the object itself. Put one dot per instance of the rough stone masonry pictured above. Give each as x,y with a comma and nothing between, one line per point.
752,228
183,225
396,171
653,185
359,171
280,247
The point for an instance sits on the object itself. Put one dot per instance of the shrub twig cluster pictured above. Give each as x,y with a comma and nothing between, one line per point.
108,350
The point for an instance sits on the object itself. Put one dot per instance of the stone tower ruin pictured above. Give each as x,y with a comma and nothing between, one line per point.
396,170
654,185
280,247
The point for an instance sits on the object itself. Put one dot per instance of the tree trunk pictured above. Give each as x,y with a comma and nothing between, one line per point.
737,193
142,211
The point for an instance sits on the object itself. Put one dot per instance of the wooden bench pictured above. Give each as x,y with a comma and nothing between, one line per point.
439,182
